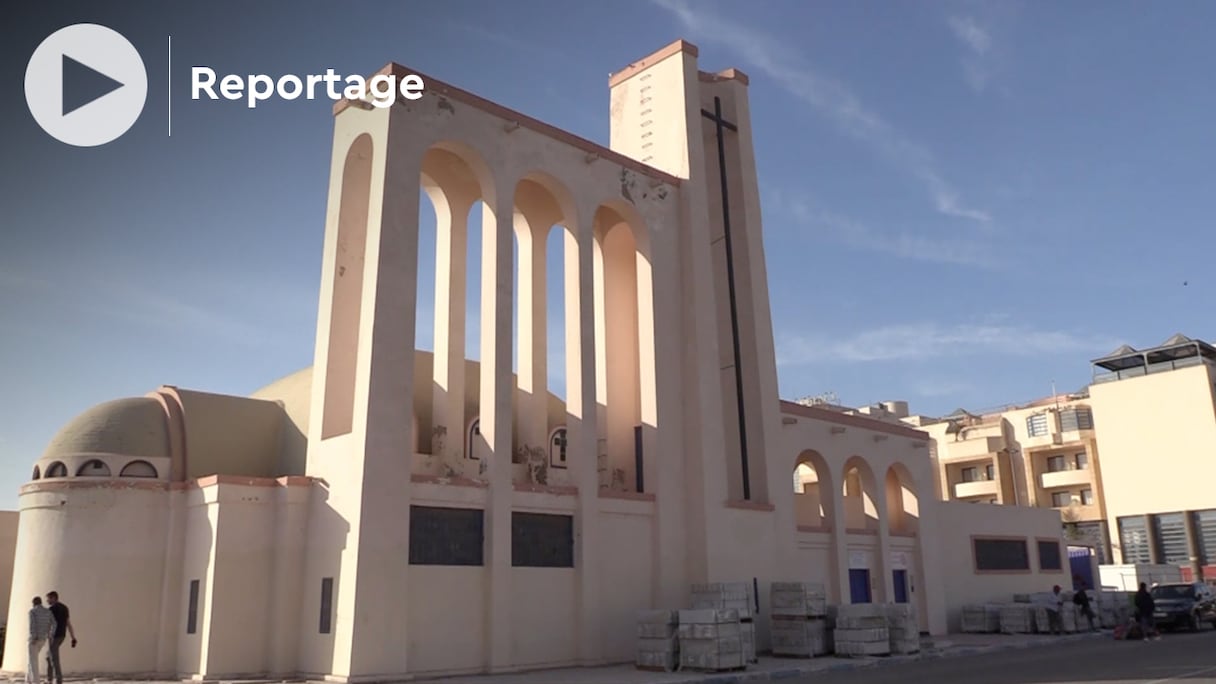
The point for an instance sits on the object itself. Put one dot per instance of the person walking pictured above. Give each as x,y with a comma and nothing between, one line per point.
1081,598
63,629
1144,611
42,628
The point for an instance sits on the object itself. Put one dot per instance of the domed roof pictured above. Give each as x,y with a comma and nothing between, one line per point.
133,427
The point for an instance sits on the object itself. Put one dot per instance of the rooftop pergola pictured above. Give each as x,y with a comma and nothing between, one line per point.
1130,361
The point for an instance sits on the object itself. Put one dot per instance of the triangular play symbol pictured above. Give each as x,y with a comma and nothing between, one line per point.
83,84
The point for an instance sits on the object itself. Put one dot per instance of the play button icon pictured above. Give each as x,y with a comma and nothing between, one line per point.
86,85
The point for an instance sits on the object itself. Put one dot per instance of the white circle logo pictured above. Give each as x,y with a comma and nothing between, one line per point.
86,85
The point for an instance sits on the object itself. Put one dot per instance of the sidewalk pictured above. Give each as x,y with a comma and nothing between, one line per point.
770,668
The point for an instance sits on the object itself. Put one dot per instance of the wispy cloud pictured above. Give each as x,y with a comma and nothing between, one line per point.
977,41
937,387
953,249
831,98
929,340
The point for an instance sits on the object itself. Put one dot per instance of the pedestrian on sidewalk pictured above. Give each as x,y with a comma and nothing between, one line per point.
42,628
1145,605
63,629
1055,611
1081,598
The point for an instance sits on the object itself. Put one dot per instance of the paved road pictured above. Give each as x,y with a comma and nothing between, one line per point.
1182,658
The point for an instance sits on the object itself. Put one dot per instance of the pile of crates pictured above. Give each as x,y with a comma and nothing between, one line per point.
903,628
711,640
658,640
862,630
799,625
737,596
981,619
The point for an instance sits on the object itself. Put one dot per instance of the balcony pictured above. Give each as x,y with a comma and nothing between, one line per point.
1066,478
967,490
971,449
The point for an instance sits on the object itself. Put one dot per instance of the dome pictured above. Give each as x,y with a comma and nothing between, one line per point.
134,427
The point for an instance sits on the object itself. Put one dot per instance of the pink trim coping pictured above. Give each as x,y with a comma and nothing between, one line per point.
817,529
630,496
154,485
423,478
750,506
816,413
731,74
653,58
493,108
557,490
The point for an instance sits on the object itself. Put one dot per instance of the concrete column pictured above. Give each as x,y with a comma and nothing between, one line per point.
495,406
582,426
887,595
533,347
448,387
839,533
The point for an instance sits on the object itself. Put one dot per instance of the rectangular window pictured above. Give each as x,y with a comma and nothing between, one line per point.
989,472
1036,425
192,609
540,540
1055,464
1049,556
1061,499
1133,537
1205,535
1081,461
969,474
1172,546
1087,497
1001,555
327,604
446,536
1074,419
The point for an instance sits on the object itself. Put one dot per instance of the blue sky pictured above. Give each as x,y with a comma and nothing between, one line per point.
981,196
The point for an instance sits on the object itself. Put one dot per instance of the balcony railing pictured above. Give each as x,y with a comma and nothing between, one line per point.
1137,371
967,490
977,447
1066,478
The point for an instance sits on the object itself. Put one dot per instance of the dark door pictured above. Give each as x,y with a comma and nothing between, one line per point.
901,586
859,586
1082,571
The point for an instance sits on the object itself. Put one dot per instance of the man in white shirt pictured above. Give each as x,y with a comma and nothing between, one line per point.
42,626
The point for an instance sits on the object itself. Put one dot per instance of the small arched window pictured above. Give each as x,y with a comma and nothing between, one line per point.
138,469
56,469
94,468
557,448
37,474
471,442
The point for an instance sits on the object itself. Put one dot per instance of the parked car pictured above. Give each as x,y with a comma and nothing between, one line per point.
1184,605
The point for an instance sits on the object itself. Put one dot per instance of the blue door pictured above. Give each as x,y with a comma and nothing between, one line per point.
859,586
1079,563
901,586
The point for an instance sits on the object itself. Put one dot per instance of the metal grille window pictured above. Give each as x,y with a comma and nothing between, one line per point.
540,540
1036,425
1205,534
1087,497
970,475
1061,499
1056,464
1133,537
446,536
1076,419
1172,545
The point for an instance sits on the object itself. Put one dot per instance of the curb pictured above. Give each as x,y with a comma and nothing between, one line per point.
866,663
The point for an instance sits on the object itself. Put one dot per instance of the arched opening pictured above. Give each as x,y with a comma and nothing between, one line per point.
346,302
37,474
560,246
813,504
860,492
903,505
56,469
557,448
624,351
93,468
138,469
472,437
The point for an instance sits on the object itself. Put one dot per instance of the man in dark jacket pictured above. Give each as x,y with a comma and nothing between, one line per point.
63,629
1081,598
1144,610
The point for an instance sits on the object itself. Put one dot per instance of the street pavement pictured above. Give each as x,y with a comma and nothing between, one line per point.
1189,658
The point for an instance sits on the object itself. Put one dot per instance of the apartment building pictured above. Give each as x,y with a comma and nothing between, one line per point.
1156,413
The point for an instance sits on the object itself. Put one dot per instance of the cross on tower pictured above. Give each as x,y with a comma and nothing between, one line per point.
721,123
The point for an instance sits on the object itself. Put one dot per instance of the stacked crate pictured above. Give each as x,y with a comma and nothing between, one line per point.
1018,618
658,640
902,628
711,640
861,630
736,596
799,611
982,618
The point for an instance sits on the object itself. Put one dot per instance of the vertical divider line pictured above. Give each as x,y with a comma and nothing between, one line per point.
169,94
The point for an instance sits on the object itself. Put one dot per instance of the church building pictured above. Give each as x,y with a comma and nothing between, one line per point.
390,513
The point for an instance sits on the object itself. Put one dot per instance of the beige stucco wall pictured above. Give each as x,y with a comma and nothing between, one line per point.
1157,434
231,435
9,521
959,522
